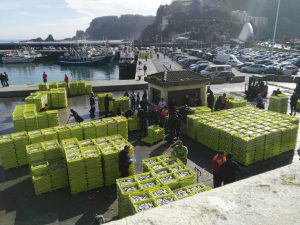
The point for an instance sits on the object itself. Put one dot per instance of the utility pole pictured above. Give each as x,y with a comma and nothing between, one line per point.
276,23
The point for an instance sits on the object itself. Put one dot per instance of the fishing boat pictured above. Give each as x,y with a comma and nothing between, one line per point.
18,57
127,65
86,57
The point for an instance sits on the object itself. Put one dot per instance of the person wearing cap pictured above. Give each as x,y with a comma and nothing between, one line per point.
180,151
228,170
124,161
217,161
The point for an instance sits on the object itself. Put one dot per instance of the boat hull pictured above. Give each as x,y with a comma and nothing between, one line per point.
16,60
127,71
89,62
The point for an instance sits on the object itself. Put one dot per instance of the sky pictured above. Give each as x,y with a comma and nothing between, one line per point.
27,19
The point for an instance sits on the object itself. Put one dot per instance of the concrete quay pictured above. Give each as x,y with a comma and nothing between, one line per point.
272,198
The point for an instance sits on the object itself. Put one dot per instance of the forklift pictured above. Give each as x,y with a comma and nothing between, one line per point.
257,85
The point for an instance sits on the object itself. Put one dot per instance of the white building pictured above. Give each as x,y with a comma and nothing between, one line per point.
244,17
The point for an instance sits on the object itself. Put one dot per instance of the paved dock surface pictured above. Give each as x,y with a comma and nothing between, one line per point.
20,206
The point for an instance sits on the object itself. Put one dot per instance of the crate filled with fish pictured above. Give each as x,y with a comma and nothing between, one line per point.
8,152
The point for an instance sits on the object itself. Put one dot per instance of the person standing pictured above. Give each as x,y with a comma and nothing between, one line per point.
228,170
293,104
178,120
2,80
93,105
145,96
161,104
45,77
106,105
145,70
224,102
164,117
132,101
217,161
6,79
218,104
142,115
210,99
124,161
157,55
138,100
180,151
66,80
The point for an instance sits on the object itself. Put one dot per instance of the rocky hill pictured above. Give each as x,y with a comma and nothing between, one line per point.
113,27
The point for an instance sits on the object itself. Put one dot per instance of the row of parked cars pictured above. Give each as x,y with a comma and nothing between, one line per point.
244,59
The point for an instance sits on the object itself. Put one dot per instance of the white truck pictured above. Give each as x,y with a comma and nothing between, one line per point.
227,59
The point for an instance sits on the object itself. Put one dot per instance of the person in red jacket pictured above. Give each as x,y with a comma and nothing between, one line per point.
66,80
217,161
45,77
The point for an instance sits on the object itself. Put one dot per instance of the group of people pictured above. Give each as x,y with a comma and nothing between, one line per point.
221,103
4,79
45,78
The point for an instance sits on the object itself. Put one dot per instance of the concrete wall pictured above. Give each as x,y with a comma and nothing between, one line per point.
272,198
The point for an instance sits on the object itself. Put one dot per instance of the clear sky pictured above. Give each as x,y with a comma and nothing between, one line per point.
26,19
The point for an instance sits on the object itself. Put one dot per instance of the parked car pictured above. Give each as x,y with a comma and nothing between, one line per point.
215,70
192,66
289,70
270,70
200,67
253,68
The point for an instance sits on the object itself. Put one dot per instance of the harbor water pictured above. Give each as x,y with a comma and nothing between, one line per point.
31,73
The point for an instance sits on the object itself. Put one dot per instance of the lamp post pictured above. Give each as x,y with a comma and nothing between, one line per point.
275,27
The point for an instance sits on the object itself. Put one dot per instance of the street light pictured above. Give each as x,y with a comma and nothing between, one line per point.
275,27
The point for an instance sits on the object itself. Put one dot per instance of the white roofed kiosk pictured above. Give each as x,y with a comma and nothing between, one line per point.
176,85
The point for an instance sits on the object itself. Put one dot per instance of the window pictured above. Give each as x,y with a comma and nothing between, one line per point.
221,68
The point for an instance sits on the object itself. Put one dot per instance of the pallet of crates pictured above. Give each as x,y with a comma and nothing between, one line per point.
81,87
76,169
225,139
63,132
141,201
235,103
197,188
161,192
213,133
243,149
201,132
93,166
119,145
112,127
122,126
20,140
40,177
49,134
35,136
191,126
54,98
42,120
18,118
200,110
125,104
52,116
88,88
182,193
35,153
186,177
62,84
110,162
53,150
58,174
133,123
100,127
73,88
76,130
273,142
62,98
30,120
288,138
125,187
117,103
43,87
86,143
147,163
8,152
52,85
89,129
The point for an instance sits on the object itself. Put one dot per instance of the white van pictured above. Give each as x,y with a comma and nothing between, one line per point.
228,59
216,70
